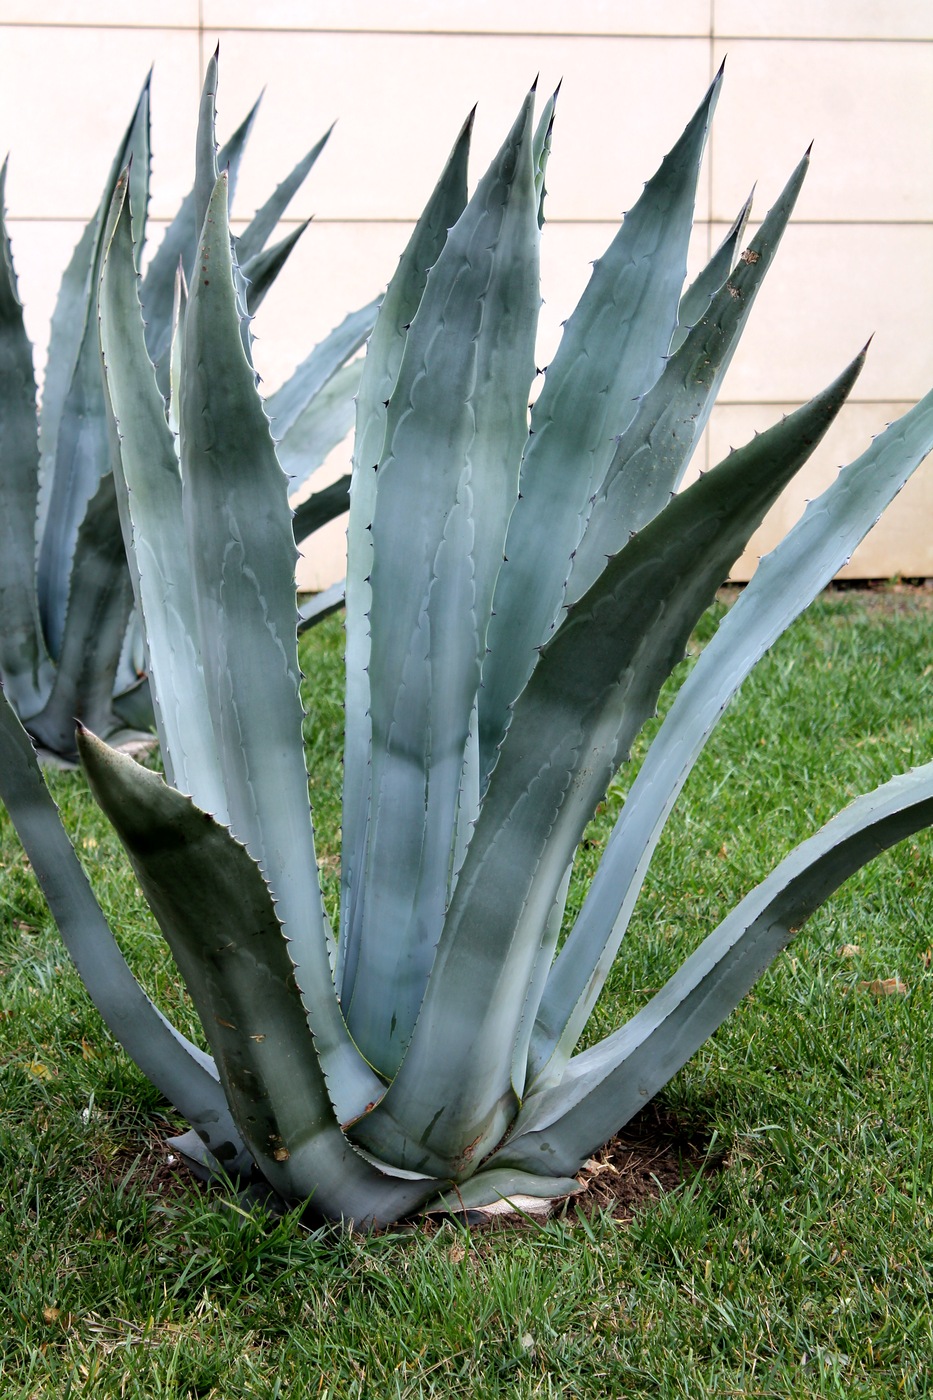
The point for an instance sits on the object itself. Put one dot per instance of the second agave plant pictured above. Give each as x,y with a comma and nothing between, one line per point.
518,590
68,645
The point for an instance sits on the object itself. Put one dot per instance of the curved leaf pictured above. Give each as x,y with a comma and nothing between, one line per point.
100,600
286,405
380,371
242,554
325,505
595,684
612,350
319,428
178,1069
652,454
262,269
784,583
180,245
456,424
25,665
149,493
489,1188
321,605
701,291
541,150
74,437
263,223
606,1086
219,918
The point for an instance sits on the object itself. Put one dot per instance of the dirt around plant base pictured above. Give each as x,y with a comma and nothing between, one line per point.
655,1153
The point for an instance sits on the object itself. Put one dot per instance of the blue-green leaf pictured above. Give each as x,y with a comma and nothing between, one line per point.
701,291
100,600
325,505
541,151
498,1184
149,492
380,371
242,555
311,377
604,1087
595,684
652,455
24,662
219,918
179,245
612,350
263,223
321,605
206,168
262,269
456,425
74,437
319,428
179,1070
784,583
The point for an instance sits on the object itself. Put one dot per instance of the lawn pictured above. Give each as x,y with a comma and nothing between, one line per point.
798,1263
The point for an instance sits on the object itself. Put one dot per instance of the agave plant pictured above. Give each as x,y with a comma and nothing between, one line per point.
518,589
68,646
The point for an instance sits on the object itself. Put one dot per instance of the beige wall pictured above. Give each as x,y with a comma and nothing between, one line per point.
856,76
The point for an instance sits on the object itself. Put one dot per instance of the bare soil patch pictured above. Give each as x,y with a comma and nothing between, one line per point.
655,1153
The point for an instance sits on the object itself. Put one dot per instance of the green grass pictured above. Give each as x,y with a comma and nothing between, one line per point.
803,1268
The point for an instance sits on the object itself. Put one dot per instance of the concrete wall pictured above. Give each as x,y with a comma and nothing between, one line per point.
855,76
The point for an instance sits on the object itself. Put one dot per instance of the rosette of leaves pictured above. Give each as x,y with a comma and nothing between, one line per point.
520,584
69,646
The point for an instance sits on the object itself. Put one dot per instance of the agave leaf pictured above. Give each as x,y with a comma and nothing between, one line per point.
206,168
179,1070
468,800
100,601
323,506
67,331
82,458
612,350
321,605
25,666
262,270
595,684
784,583
176,356
701,291
218,916
311,377
179,246
604,1087
488,1188
133,663
380,371
242,553
456,424
74,432
319,428
149,492
133,706
541,151
539,979
652,454
77,288
263,224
